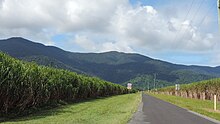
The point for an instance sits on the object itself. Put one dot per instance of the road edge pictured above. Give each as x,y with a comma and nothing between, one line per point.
203,116
138,115
195,113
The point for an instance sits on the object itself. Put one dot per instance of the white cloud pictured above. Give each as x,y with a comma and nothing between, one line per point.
87,15
85,42
116,46
91,46
1,3
61,16
144,27
103,25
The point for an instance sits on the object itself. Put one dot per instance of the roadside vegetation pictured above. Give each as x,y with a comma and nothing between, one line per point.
196,96
26,86
112,110
204,107
204,90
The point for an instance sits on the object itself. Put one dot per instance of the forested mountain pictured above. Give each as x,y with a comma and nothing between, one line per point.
112,66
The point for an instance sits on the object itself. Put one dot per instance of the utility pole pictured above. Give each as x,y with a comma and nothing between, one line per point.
144,83
155,76
148,86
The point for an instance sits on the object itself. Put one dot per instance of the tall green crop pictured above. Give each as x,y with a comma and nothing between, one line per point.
27,85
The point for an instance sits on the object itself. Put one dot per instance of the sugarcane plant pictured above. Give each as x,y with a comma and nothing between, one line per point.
26,85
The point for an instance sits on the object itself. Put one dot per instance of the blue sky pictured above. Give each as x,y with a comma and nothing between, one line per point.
210,11
178,31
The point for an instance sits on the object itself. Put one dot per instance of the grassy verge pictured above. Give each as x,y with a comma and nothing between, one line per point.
204,107
112,110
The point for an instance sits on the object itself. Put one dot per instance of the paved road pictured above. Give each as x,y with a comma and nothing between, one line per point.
156,111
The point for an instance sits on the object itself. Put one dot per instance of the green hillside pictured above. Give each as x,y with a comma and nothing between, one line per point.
113,66
143,82
50,62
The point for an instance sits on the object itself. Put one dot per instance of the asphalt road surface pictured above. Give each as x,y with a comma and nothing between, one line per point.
156,111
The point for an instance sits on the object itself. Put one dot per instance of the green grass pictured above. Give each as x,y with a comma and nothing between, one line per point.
112,110
204,107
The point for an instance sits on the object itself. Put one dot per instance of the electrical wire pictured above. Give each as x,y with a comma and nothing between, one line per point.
194,17
188,13
204,18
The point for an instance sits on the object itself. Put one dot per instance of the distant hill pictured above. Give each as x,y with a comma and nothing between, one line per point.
112,66
47,61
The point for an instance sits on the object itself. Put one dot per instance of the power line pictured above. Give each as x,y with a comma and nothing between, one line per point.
186,16
203,19
189,10
194,16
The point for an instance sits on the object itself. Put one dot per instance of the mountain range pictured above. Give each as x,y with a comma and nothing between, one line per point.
117,67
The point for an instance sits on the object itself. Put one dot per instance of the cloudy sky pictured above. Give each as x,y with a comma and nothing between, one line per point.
178,31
